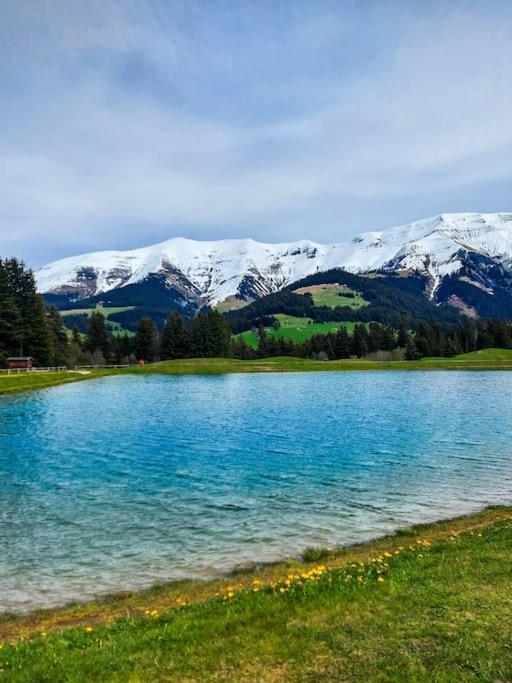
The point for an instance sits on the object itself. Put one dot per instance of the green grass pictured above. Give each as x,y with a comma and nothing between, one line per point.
296,329
484,355
502,360
15,383
332,295
105,311
440,612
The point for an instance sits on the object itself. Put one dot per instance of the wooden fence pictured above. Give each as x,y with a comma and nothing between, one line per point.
62,368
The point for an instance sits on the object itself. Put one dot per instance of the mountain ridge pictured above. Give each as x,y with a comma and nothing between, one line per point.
210,272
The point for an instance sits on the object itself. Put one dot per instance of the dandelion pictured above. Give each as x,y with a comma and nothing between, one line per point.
88,629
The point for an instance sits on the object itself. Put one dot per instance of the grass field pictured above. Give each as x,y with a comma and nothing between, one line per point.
488,359
105,311
296,329
332,295
432,603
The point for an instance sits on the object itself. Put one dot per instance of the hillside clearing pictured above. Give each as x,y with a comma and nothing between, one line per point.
296,329
333,295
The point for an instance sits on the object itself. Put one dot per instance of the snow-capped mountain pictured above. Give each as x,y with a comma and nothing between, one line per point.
475,248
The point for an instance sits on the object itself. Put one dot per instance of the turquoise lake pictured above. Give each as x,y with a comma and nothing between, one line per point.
124,482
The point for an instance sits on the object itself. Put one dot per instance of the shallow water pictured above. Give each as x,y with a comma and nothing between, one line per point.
126,481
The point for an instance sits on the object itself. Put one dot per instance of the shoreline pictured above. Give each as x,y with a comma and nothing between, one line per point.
106,609
16,383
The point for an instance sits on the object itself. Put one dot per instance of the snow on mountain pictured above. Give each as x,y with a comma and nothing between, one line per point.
210,272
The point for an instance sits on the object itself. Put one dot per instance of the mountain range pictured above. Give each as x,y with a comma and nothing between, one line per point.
463,259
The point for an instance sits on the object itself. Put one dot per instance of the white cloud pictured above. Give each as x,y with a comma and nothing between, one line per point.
124,122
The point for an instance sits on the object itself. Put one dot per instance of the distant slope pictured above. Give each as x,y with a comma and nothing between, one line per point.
390,298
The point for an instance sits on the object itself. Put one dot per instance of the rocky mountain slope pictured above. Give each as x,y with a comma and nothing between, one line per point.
465,259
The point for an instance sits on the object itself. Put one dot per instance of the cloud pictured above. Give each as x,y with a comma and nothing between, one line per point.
124,123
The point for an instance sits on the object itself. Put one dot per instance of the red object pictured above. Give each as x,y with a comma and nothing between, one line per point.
141,363
19,362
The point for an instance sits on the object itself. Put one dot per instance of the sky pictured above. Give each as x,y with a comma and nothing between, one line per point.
124,123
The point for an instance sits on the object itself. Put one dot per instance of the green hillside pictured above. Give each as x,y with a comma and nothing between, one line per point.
383,299
296,329
333,295
106,311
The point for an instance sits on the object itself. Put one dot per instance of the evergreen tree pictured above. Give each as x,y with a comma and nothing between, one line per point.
11,330
124,348
342,347
219,335
403,334
35,334
75,336
263,342
175,342
242,350
411,352
199,337
360,340
58,337
146,340
97,336
388,341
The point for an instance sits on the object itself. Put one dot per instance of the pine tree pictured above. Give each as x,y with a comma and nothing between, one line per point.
403,334
146,340
11,330
124,348
35,335
175,341
411,352
263,342
241,349
342,344
388,341
58,337
97,336
220,335
360,340
75,336
200,337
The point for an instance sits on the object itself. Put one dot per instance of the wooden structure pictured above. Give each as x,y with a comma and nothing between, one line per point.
19,363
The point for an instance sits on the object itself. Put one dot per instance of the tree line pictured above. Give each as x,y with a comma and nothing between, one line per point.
378,340
206,336
28,328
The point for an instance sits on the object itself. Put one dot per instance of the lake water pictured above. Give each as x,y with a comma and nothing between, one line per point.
128,481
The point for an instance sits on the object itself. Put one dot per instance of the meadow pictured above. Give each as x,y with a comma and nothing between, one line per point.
430,603
296,329
486,359
106,311
333,295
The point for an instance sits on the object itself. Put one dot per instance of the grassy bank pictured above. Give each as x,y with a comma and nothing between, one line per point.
431,603
488,359
14,383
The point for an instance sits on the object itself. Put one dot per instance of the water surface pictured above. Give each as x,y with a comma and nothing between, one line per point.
126,481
